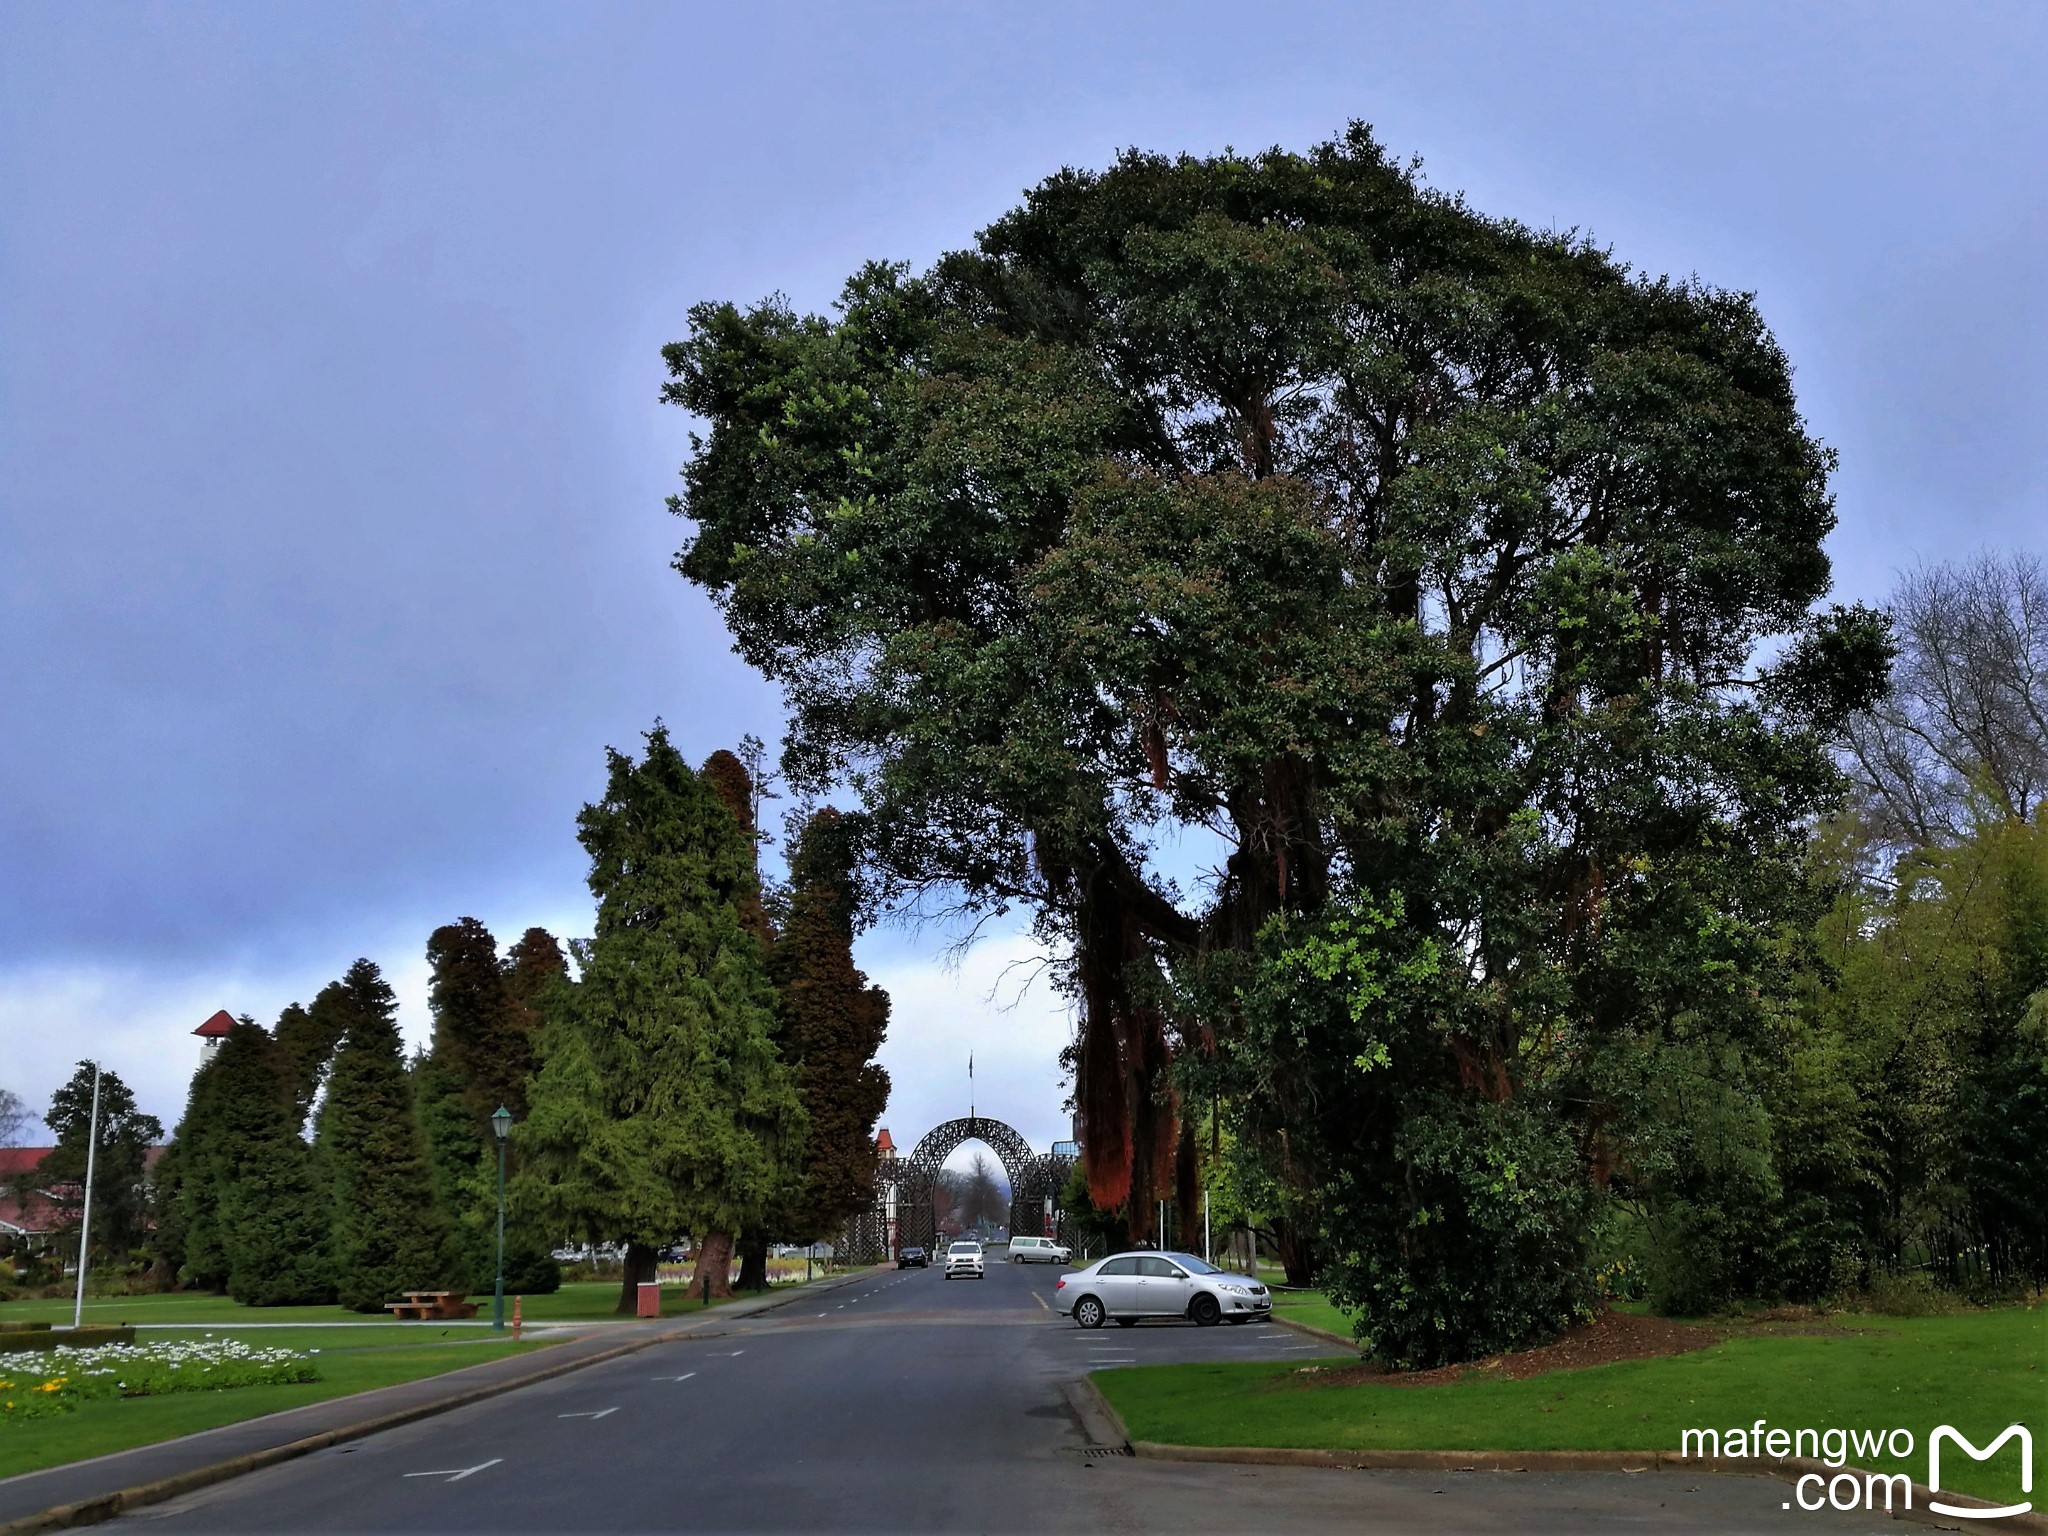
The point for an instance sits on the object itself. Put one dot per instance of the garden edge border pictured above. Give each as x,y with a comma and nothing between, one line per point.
106,1506
1510,1461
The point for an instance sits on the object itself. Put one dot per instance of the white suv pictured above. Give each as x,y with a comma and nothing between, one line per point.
1038,1250
965,1259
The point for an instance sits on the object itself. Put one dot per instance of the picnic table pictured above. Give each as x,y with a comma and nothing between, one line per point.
429,1306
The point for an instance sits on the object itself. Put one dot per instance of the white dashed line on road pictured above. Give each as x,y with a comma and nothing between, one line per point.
458,1476
597,1414
684,1377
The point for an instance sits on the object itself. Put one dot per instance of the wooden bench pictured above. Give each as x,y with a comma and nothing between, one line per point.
431,1306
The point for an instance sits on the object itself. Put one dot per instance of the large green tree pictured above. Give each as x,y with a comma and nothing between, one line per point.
660,1106
479,1061
1333,613
120,1195
832,1024
387,1227
274,1213
310,1037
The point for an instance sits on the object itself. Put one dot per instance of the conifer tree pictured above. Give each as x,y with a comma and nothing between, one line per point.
661,1106
387,1230
478,1025
833,1023
533,965
274,1216
125,1135
186,1195
481,1057
309,1037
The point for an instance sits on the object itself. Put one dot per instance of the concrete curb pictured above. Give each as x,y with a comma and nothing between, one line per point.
1102,1424
1314,1332
1789,1470
107,1505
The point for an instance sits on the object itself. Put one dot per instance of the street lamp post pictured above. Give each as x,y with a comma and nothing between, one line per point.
501,1122
92,1147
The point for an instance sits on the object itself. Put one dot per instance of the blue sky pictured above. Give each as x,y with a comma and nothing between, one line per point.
332,545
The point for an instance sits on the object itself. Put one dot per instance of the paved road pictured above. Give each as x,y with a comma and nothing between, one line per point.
901,1403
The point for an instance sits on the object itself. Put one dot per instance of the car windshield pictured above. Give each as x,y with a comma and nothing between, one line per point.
1193,1265
965,1248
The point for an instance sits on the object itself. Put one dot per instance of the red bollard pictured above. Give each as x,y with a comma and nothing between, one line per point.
515,1317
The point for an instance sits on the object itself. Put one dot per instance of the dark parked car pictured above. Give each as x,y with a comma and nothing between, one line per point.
913,1258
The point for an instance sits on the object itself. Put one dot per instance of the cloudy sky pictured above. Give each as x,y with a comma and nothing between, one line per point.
332,545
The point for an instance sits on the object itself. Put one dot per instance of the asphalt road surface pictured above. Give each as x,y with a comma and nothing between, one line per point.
904,1402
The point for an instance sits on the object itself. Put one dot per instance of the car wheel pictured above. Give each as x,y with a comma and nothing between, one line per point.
1088,1312
1205,1311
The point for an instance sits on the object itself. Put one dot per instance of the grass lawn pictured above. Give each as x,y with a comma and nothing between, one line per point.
1312,1308
1978,1371
119,1424
576,1301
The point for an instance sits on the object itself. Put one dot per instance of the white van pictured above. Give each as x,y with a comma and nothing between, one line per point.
1037,1250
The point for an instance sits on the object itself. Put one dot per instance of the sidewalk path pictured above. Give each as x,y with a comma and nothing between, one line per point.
82,1492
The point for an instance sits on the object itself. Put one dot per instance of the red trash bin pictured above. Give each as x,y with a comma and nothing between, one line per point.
650,1298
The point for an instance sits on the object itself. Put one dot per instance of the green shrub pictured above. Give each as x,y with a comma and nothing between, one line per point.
1906,1293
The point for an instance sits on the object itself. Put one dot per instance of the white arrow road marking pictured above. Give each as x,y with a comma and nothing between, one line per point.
600,1413
456,1477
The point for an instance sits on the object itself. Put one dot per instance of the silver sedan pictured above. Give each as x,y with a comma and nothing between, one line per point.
1128,1286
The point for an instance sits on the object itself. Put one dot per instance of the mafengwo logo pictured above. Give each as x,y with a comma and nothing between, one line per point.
1860,1487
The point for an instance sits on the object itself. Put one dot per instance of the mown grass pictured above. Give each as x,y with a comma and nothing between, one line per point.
99,1427
577,1301
1314,1309
1978,1371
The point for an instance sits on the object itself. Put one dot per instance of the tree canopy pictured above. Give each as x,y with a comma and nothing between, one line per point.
125,1136
387,1227
1409,564
660,1106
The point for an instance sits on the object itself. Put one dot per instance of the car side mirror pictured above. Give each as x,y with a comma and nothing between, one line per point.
1180,1274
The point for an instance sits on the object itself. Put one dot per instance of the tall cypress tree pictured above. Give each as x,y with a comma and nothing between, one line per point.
661,1106
481,1057
274,1215
533,965
387,1230
310,1037
188,1242
833,1023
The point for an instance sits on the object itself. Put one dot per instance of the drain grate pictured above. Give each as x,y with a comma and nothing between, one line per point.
1097,1452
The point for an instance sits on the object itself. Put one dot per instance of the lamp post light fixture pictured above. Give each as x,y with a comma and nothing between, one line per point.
501,1122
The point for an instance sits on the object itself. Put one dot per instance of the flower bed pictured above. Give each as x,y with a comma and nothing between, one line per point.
60,1379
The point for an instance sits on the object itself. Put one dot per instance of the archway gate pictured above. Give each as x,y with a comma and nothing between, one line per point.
902,1214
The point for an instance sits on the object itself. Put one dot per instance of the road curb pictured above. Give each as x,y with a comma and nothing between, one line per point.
1788,1471
1100,1422
107,1505
1314,1332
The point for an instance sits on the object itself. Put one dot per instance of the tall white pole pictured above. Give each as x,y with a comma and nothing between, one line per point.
1208,1253
92,1148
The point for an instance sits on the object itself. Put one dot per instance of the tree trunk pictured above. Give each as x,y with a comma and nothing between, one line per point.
640,1265
753,1264
1297,1252
714,1259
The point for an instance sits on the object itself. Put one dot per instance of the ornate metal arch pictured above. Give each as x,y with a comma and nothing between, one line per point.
903,1194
